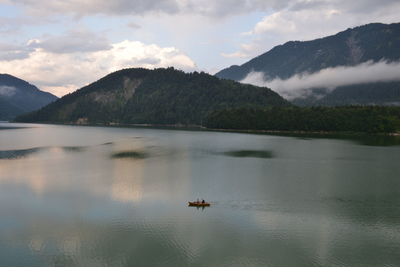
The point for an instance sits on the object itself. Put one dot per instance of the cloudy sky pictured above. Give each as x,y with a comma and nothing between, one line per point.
61,46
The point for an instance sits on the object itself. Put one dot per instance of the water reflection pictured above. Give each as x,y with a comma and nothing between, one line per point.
127,181
8,126
18,153
120,178
313,202
30,172
362,139
74,148
378,140
133,154
249,153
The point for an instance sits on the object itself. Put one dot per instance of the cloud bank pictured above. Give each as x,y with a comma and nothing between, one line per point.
299,85
11,51
210,8
200,7
54,70
71,42
215,33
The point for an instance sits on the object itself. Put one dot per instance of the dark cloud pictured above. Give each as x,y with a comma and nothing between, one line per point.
11,25
133,25
90,7
73,41
213,8
140,7
304,4
366,6
230,7
10,52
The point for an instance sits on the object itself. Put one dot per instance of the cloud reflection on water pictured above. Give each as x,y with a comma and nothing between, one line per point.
127,180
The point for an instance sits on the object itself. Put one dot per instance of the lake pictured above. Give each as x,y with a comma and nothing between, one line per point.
105,196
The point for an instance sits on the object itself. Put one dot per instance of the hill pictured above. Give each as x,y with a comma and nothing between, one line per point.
160,96
373,42
18,96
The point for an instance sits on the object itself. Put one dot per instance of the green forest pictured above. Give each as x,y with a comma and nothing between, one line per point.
367,119
160,96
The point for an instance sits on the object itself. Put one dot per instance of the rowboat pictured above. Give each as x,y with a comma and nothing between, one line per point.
199,204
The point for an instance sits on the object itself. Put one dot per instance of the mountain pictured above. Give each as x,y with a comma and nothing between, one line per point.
160,96
18,96
373,42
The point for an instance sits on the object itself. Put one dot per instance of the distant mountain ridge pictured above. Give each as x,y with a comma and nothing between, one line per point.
347,48
18,96
160,96
372,42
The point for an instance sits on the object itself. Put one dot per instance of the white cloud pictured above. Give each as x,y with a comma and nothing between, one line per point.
184,24
299,85
246,50
275,23
7,91
61,73
134,53
234,55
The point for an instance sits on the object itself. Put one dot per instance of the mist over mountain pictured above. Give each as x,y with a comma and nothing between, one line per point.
308,72
18,96
375,93
160,96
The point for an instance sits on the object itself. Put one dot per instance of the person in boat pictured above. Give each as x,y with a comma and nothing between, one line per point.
202,202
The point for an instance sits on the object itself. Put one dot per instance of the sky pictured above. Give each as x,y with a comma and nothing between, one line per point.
61,46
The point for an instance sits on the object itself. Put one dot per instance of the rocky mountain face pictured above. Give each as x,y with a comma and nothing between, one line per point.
369,43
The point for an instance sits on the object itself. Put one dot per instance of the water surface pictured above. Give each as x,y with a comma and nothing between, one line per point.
95,196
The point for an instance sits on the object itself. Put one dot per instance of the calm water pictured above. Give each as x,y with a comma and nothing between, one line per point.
67,198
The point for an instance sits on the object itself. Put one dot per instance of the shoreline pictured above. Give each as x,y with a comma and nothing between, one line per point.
195,127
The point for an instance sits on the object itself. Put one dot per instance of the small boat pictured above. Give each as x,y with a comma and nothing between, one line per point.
199,204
